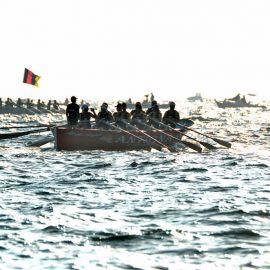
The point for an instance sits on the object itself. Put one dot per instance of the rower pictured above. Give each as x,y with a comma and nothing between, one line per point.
149,110
29,104
73,112
49,104
154,117
39,104
8,102
104,117
117,114
19,102
85,116
171,116
138,116
55,105
125,116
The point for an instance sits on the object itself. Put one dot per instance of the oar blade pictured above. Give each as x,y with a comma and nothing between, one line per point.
221,142
40,142
185,122
207,145
19,134
195,147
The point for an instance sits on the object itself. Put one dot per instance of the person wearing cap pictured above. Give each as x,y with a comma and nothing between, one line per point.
73,112
138,116
85,116
117,114
104,117
154,117
171,116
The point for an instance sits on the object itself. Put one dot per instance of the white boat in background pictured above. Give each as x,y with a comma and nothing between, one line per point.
237,104
197,97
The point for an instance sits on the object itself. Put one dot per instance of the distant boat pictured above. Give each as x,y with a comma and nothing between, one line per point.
237,104
197,97
146,103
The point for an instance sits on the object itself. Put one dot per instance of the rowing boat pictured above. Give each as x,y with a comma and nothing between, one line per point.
19,110
67,138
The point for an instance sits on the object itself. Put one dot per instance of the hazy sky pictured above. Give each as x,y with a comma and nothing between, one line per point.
116,49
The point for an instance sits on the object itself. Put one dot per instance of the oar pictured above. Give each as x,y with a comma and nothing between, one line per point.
186,122
46,140
151,144
205,144
46,110
19,134
149,136
219,141
32,126
40,142
195,147
32,112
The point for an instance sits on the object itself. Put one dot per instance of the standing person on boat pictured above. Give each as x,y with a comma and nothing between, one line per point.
117,114
73,112
171,116
104,117
155,116
1,102
85,116
152,97
138,116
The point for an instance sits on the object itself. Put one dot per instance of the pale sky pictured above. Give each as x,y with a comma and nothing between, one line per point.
116,49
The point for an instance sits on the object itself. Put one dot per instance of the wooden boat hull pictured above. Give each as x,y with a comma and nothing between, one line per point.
111,140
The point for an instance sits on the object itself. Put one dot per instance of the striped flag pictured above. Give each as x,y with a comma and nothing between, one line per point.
30,78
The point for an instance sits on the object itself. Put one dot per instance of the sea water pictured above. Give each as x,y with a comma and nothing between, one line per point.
139,209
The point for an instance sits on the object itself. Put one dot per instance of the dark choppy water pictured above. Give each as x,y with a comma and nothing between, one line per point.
140,210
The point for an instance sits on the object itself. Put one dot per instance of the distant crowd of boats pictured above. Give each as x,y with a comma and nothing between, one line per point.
28,106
